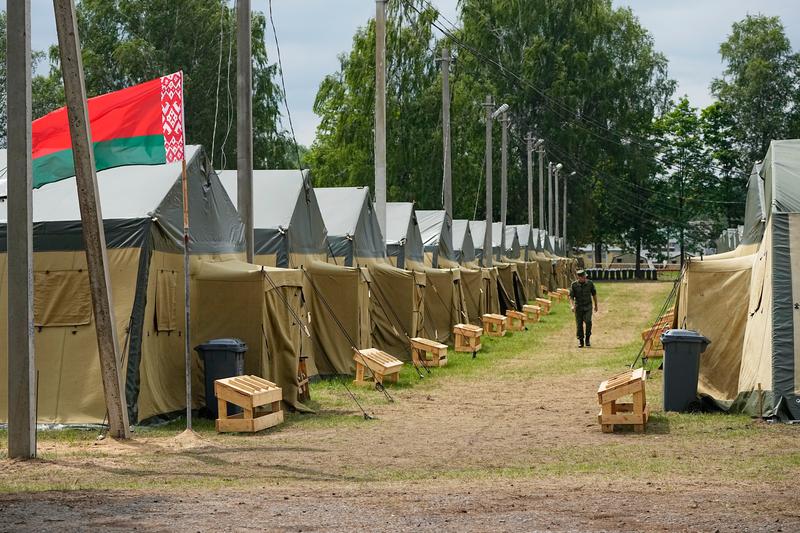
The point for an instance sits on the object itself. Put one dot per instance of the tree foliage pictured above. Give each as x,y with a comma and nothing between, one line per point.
582,75
125,42
760,86
343,151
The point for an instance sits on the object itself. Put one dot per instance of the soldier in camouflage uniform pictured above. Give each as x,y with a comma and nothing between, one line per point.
581,295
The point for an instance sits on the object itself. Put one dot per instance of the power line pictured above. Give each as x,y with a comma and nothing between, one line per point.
550,102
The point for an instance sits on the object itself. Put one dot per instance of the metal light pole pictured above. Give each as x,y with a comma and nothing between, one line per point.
503,182
380,113
564,220
244,123
21,364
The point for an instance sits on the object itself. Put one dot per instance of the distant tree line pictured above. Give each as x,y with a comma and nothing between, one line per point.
587,78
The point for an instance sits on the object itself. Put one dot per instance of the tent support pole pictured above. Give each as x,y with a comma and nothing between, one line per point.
94,238
187,354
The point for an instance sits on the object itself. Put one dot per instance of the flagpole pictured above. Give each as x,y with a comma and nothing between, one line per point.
187,354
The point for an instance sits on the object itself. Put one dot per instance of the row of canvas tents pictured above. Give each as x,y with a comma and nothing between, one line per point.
324,282
747,300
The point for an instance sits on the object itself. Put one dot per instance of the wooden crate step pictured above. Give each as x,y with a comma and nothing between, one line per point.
374,366
555,296
494,325
426,352
544,304
615,413
467,337
516,320
259,399
532,312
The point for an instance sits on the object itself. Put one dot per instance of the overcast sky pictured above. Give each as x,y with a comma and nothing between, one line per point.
313,32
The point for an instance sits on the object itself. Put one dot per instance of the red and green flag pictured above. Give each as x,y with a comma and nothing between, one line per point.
140,125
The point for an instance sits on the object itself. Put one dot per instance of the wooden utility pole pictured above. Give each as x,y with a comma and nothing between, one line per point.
529,152
503,182
564,218
556,231
380,113
21,367
447,184
94,238
244,123
487,235
541,185
550,198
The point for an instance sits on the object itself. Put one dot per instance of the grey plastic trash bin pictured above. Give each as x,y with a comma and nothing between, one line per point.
222,358
682,349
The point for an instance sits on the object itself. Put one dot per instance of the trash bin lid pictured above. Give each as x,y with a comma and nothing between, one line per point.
233,345
683,335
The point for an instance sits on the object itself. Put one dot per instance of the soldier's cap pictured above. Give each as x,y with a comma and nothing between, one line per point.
581,272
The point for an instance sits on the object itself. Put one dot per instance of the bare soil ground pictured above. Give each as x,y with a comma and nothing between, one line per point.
510,445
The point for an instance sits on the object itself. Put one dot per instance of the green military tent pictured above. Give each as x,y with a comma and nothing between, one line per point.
143,223
339,300
513,248
753,347
396,306
528,266
354,236
403,239
288,230
261,306
463,247
436,229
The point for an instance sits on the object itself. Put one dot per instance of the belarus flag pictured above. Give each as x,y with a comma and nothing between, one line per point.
140,125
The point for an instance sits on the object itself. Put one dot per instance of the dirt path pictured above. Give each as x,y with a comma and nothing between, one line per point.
515,446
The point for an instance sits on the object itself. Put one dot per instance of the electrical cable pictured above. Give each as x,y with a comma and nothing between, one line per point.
550,102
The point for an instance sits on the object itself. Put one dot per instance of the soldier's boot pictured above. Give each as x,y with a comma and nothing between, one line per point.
588,343
580,342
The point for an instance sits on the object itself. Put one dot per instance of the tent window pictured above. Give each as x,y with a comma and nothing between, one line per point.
61,298
166,283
